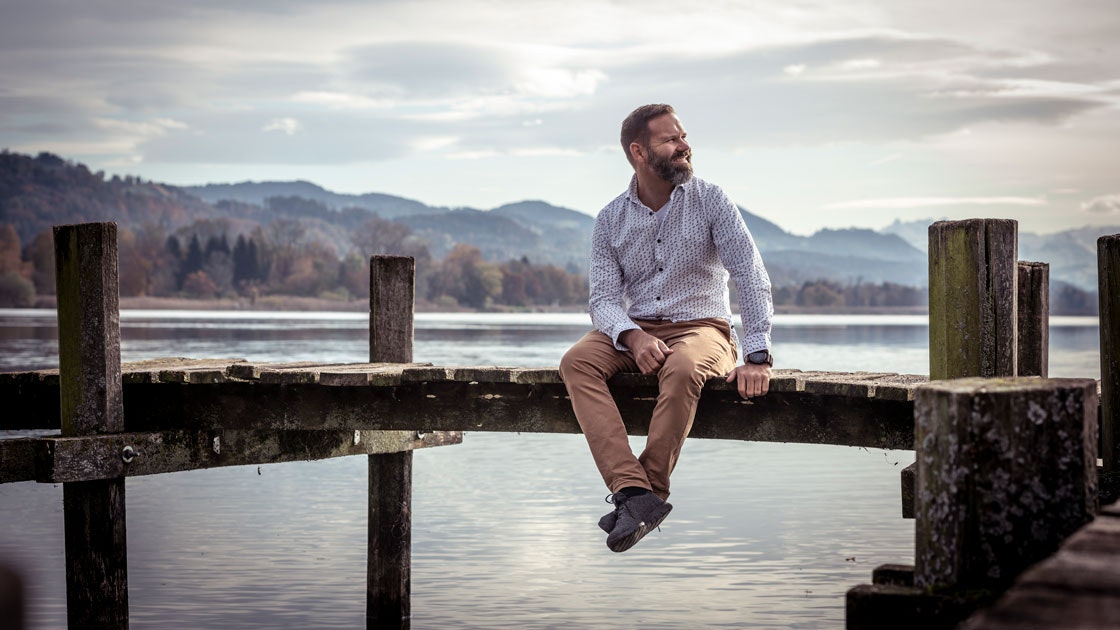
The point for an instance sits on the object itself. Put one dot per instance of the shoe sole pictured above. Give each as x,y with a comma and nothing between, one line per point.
643,529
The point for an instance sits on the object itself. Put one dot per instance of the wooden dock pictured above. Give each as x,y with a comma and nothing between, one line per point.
981,518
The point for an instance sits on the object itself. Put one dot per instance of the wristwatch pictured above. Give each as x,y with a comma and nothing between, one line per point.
761,357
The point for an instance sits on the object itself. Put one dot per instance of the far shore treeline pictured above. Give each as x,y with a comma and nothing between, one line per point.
177,246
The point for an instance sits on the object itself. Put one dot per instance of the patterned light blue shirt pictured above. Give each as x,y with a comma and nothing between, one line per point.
678,270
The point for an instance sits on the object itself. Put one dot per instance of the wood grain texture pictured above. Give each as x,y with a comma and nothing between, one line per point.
973,314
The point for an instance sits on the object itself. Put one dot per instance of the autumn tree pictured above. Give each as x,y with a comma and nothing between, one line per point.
466,277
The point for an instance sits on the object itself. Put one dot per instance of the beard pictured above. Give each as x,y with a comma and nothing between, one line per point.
676,173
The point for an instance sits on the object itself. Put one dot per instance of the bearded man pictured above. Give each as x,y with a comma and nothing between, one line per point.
661,256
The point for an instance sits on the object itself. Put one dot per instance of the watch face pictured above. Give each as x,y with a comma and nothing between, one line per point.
758,357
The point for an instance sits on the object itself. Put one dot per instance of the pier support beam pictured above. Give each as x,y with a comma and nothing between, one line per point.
91,403
1108,293
389,555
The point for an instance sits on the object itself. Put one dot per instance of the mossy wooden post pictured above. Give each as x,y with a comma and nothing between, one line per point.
973,313
1006,471
91,403
1108,292
389,560
1034,319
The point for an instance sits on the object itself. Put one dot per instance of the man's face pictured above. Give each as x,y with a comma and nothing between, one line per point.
670,156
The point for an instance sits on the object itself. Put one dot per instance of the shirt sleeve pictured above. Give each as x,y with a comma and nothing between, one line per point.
605,277
741,258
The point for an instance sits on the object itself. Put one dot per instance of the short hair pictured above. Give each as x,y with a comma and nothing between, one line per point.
636,126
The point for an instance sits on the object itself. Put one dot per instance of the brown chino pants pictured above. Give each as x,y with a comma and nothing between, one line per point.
702,349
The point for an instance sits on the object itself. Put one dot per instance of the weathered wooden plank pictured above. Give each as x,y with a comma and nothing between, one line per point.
893,606
972,298
17,459
510,407
1077,588
1029,608
848,384
1108,296
897,574
252,371
375,374
55,460
177,370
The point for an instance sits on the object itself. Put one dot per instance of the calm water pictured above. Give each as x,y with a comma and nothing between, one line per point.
504,526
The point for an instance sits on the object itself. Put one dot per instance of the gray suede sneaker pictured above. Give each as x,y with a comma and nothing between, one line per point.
634,518
610,518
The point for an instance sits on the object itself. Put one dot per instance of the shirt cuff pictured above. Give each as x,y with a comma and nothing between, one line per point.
616,332
754,343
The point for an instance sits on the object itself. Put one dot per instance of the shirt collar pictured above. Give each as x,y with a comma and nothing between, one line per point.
632,190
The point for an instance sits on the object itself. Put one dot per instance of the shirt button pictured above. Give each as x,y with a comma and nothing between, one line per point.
658,240
658,297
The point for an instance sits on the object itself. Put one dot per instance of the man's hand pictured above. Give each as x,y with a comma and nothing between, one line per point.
753,379
649,351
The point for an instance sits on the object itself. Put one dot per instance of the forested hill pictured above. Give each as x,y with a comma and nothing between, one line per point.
308,225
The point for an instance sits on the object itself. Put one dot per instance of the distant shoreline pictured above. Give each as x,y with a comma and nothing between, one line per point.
299,303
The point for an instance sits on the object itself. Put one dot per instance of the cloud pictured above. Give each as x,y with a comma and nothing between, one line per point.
287,126
931,202
1105,204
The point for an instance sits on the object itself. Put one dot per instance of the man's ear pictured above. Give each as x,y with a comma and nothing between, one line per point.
638,152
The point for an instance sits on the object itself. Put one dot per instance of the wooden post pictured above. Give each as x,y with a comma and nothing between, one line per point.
1034,319
1108,294
91,403
11,599
389,556
973,312
1006,472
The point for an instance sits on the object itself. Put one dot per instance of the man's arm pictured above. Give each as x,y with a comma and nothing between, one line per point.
738,253
605,278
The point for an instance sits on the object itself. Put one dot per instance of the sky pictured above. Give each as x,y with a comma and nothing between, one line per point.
812,114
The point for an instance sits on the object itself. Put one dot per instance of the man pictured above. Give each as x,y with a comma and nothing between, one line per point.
661,254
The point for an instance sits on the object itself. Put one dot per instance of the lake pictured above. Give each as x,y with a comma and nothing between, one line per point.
504,525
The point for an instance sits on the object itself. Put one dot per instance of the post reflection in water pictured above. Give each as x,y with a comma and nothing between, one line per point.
504,526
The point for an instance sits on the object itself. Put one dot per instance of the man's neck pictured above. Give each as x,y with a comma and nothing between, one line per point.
653,191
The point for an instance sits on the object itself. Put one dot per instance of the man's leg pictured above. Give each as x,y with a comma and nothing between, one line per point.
701,350
585,370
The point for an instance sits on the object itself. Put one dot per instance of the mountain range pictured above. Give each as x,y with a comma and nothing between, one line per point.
37,192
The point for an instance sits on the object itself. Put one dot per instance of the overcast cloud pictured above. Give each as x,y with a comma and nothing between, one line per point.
812,114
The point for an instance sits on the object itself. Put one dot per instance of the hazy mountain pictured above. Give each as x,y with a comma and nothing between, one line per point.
386,206
46,190
1071,254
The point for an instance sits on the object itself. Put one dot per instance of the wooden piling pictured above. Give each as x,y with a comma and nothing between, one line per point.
11,599
389,551
1034,319
973,312
974,309
1006,472
1108,294
91,403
